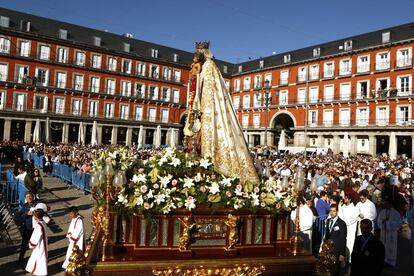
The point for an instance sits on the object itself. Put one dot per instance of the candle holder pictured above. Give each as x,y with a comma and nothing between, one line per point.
107,242
296,242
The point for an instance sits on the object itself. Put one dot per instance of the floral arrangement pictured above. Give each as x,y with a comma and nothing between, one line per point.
120,157
169,180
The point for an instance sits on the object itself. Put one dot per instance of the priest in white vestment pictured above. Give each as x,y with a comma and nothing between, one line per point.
75,233
349,214
366,209
389,222
37,264
306,219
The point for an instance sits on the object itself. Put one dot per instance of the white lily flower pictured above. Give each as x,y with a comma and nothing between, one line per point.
150,194
159,198
190,203
214,188
140,200
189,164
226,181
255,199
137,178
188,182
204,163
122,198
169,151
175,162
162,160
165,180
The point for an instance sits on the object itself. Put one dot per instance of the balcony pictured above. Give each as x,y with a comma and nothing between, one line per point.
363,68
382,65
314,76
404,62
284,81
328,74
301,78
345,71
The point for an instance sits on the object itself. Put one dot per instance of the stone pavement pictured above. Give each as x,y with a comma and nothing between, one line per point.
59,197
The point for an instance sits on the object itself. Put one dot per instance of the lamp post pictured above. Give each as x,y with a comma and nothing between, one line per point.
265,100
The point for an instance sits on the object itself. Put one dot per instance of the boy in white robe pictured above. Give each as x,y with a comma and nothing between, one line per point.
389,222
37,264
75,233
306,219
349,214
366,209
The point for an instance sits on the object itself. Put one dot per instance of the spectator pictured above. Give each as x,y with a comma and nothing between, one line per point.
27,226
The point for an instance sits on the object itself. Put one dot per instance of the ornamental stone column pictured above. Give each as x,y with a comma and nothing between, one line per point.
65,133
336,144
372,145
99,134
6,131
114,136
353,148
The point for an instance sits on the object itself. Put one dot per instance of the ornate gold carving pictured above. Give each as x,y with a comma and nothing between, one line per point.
202,44
326,260
233,231
77,263
243,270
188,225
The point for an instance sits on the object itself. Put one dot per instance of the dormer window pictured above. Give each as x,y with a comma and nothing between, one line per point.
97,41
261,64
316,52
240,68
4,21
348,45
175,57
63,34
127,47
386,37
154,53
286,58
225,69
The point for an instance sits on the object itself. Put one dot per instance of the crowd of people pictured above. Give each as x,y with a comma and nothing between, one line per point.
350,197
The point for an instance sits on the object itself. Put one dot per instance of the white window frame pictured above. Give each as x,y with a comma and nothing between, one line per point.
328,73
96,60
141,68
245,120
401,120
246,101
110,86
124,111
284,77
16,99
302,74
176,75
327,97
344,121
61,82
176,95
155,74
112,63
93,108
141,92
328,122
152,117
358,92
109,113
359,121
4,71
283,97
314,72
382,121
62,54
74,111
236,102
80,58
94,84
38,80
301,96
256,120
153,96
43,53
24,51
313,118
258,82
363,67
126,88
381,63
402,60
407,90
165,115
343,95
3,99
59,109
165,96
313,96
345,70
236,84
139,115
246,84
78,85
4,44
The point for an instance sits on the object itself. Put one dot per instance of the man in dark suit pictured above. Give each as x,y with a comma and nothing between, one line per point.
368,253
27,226
336,231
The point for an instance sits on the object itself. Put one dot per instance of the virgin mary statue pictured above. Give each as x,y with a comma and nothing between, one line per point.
212,126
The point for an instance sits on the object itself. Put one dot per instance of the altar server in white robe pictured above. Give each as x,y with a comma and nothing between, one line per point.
306,219
411,224
37,264
349,214
366,209
389,222
75,233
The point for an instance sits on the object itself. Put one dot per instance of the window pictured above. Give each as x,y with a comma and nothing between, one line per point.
284,77
261,64
316,52
225,69
302,74
344,116
139,90
404,85
20,101
246,83
236,102
124,112
236,85
126,88
345,67
4,71
153,92
176,95
154,53
240,68
268,78
21,71
94,84
382,115
383,87
313,118
246,101
96,61
60,79
164,116
328,117
112,62
4,21
24,48
256,120
165,94
177,75
4,45
126,66
109,110
59,105
166,73
313,94
127,47
362,116
2,100
286,58
110,86
403,115
363,64
175,57
140,68
62,55
138,113
227,84
42,76
245,120
383,62
97,41
328,70
63,34
44,52
314,72
76,107
258,82
154,71
283,97
93,108
39,102
386,37
348,45
345,91
329,93
78,82
152,114
80,58
403,57
256,100
362,89
301,95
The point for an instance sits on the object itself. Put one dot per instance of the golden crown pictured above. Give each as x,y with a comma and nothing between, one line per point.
202,44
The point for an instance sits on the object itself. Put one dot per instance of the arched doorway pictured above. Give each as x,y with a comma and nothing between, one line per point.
283,121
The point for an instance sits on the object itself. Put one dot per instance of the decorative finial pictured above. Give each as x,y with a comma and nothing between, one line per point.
202,45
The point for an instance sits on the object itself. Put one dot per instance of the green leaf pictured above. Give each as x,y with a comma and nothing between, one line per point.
154,175
214,198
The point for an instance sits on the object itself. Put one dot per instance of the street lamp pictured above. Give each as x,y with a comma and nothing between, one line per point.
265,100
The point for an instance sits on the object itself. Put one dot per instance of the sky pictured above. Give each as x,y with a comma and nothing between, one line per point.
238,30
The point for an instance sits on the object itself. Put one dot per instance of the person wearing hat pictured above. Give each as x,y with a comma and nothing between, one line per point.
37,264
75,233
